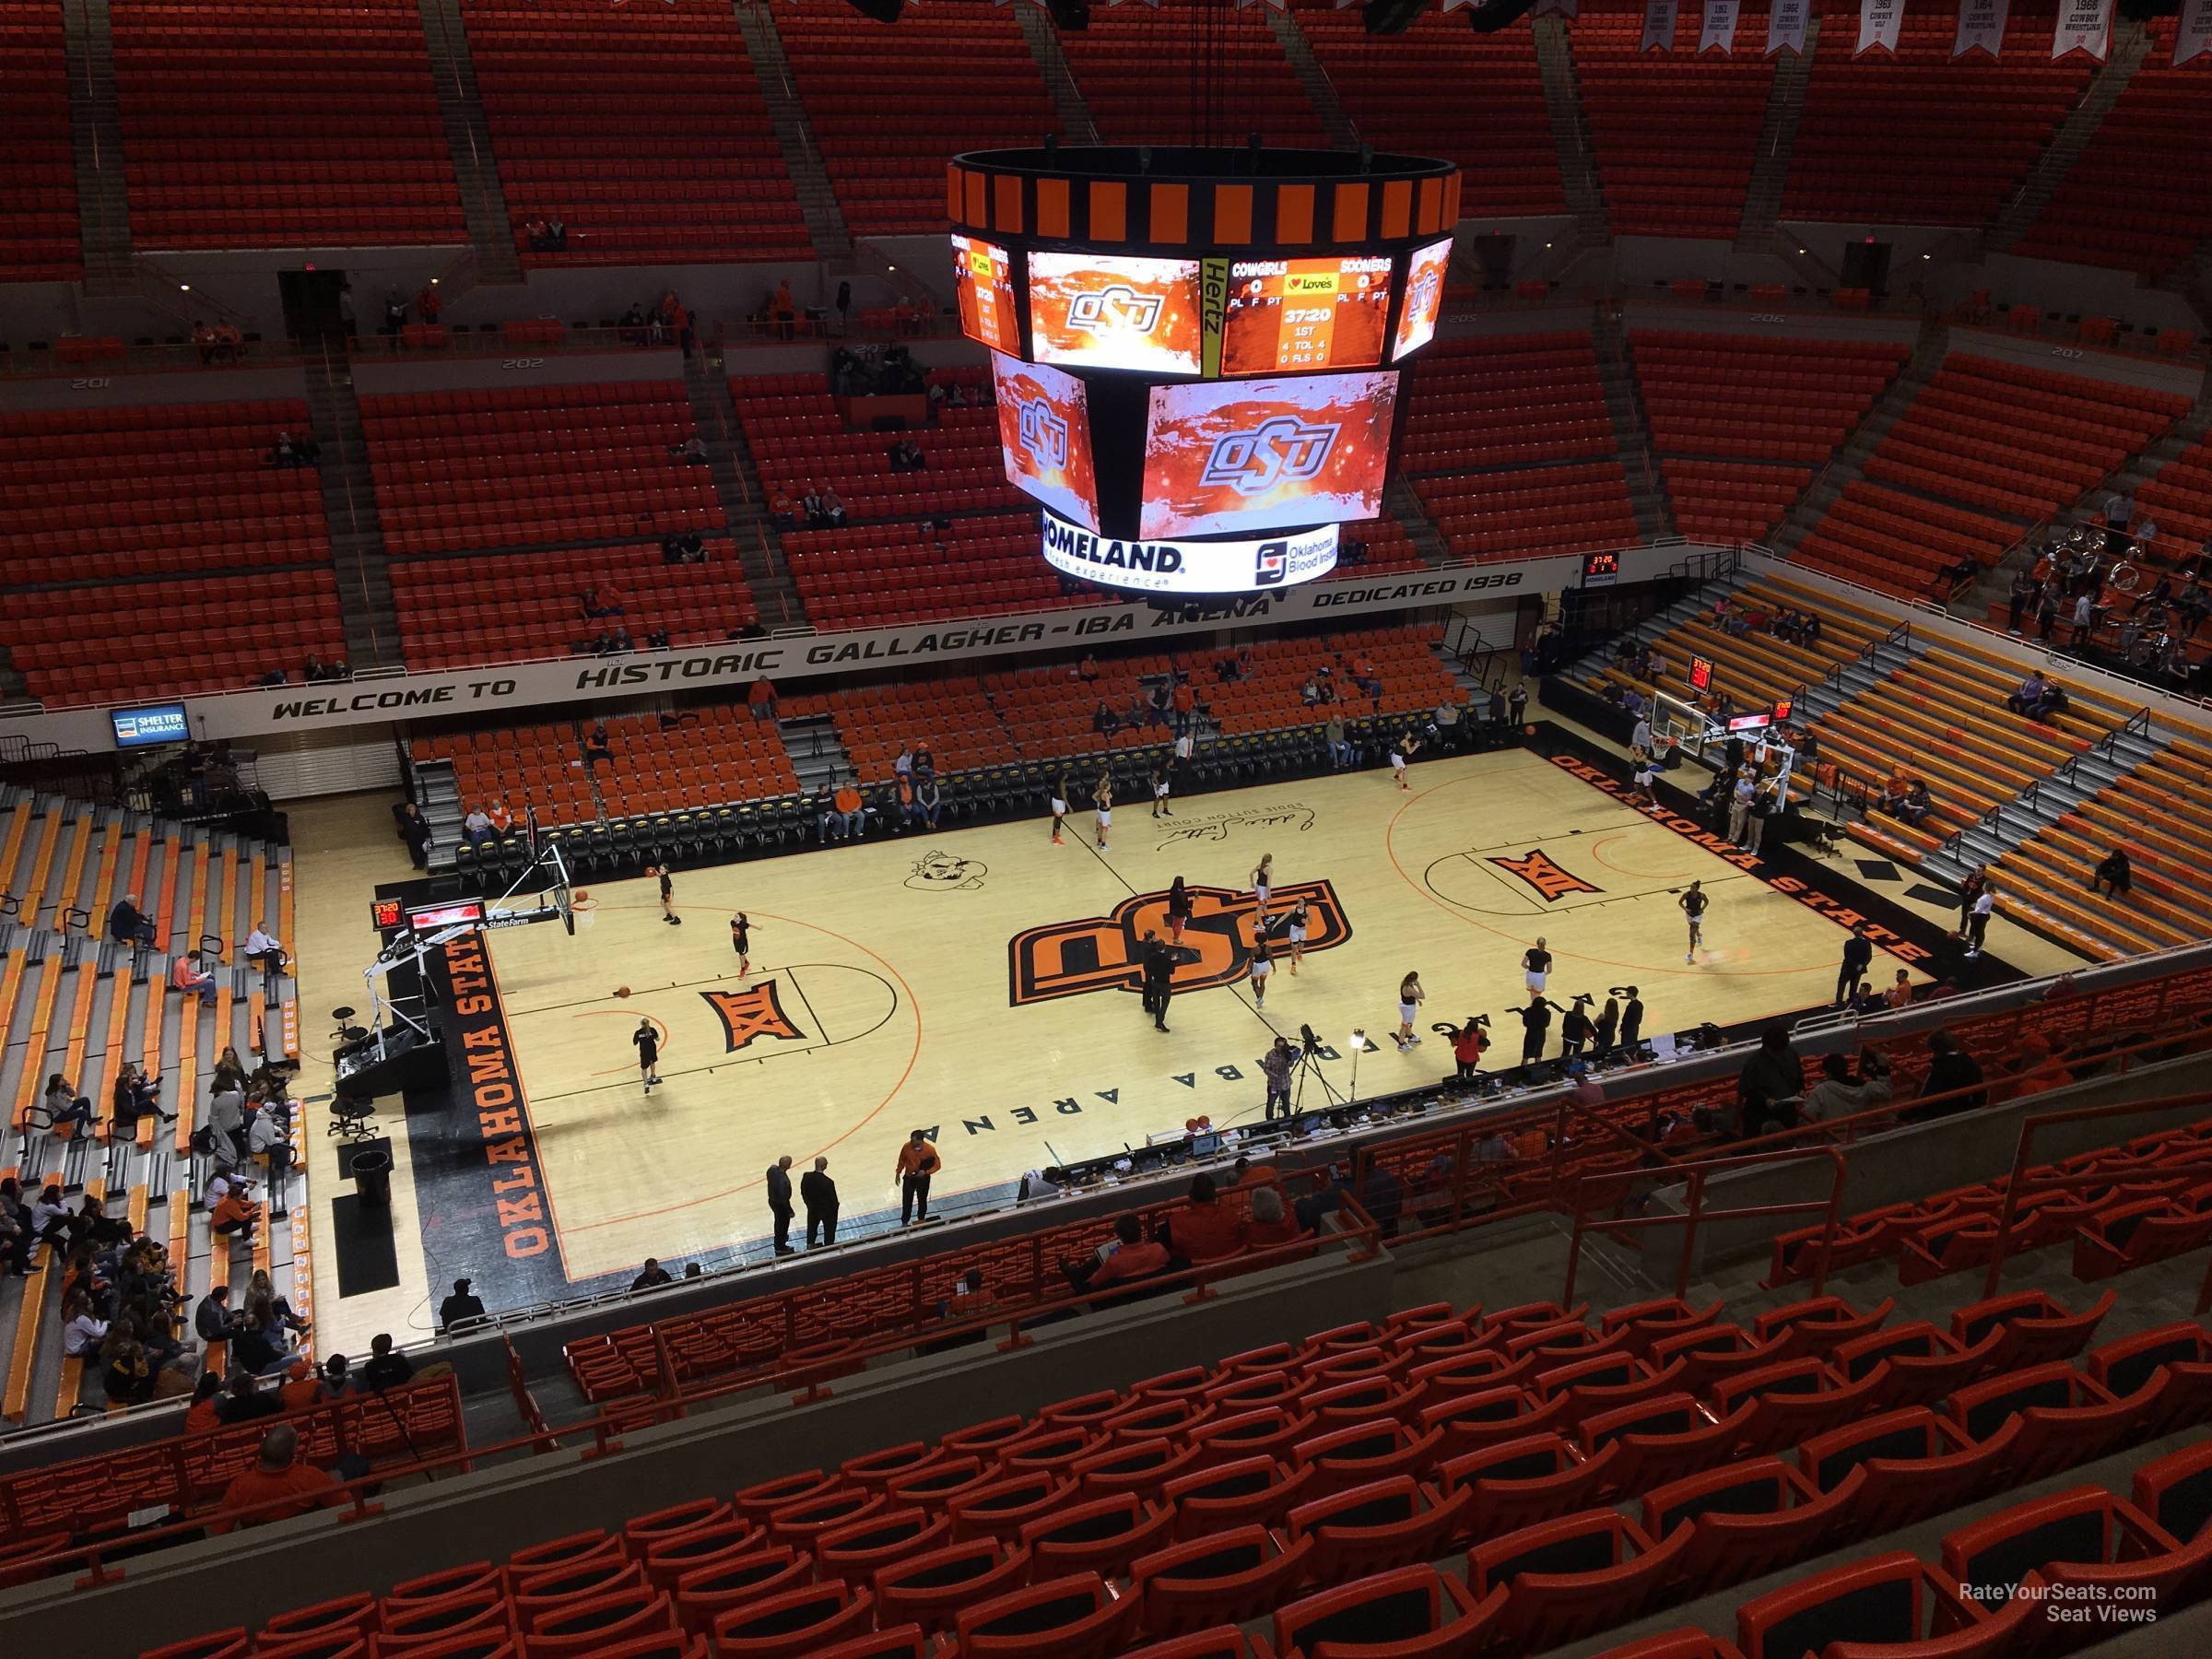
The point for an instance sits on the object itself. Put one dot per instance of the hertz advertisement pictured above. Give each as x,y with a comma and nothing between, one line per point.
982,277
1290,315
1044,435
1104,311
1225,459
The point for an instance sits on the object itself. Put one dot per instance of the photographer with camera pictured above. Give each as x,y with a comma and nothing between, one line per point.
1276,1066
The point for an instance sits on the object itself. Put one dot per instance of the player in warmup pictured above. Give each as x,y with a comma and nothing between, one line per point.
648,1052
1179,908
1536,967
1059,807
1162,782
1693,903
1403,751
1263,882
1411,998
1102,798
741,941
1300,917
1262,961
1647,768
667,897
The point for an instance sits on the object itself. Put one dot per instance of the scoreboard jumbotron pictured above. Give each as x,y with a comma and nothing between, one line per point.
1197,352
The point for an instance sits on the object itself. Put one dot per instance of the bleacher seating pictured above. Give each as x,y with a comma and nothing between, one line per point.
1741,424
38,201
1511,449
1872,123
722,754
1139,70
313,125
112,496
1675,131
2110,209
529,465
1986,449
539,766
640,127
1482,107
1310,1486
875,102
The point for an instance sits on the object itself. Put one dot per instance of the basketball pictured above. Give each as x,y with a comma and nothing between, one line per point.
622,989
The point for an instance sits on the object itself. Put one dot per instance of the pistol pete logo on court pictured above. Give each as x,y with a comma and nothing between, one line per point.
1552,884
1105,953
751,1013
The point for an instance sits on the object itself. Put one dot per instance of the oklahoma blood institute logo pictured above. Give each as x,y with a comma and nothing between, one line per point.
1104,953
1552,884
751,1013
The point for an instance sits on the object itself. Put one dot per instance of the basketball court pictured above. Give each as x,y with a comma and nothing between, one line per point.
981,985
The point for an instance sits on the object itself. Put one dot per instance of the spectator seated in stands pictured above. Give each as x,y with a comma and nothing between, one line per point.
127,925
477,827
692,451
66,1111
601,602
289,451
190,977
135,1096
1268,1224
15,1231
1917,803
2115,871
50,1218
1127,1255
683,548
826,818
243,1400
833,509
1837,1094
812,507
1105,722
277,1479
264,949
1771,1085
852,811
906,456
460,1306
82,1329
2037,697
236,1213
1950,1069
1202,1228
385,1367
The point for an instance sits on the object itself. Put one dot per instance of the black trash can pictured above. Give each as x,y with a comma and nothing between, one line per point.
372,1178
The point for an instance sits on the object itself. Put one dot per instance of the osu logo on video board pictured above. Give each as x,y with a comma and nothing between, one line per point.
1104,953
751,1013
1116,306
1043,433
1552,883
1278,450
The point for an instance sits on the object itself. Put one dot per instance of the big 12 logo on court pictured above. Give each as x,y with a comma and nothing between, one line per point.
1280,450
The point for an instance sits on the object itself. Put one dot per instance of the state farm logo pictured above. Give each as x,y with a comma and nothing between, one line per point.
1118,306
1280,450
1043,433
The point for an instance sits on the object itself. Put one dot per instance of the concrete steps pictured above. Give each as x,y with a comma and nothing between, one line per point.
356,537
1075,122
1320,90
818,753
1883,412
1403,504
753,535
2131,45
1777,136
802,159
103,209
468,136
1632,427
1570,133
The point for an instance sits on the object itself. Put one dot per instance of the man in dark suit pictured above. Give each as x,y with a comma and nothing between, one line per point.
819,1194
779,1202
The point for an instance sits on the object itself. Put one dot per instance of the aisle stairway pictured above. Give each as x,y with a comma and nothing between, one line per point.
753,534
483,197
1770,165
103,214
356,537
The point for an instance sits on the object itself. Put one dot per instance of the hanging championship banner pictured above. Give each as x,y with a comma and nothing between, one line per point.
2193,37
1879,22
2083,25
1982,26
1720,26
1659,25
1785,26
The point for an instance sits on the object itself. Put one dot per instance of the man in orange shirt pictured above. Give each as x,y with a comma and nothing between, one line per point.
760,697
300,1387
1203,1230
235,1213
918,1161
280,1476
1133,1257
850,809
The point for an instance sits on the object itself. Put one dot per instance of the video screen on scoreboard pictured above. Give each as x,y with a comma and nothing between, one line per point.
982,277
1298,314
1424,297
1100,311
1044,436
1223,458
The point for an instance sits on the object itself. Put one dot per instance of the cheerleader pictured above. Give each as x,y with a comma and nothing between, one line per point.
1298,917
1102,798
1179,910
1059,807
1262,963
1263,882
741,941
1404,750
1411,998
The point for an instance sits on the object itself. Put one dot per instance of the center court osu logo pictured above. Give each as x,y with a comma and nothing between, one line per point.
750,1014
1043,433
1118,306
1280,450
1103,953
1552,884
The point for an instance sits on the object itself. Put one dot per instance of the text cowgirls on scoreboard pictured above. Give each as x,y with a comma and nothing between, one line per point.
1198,352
